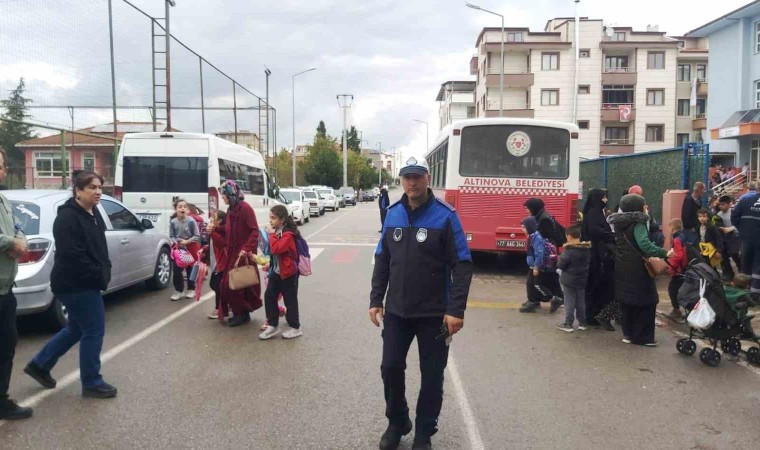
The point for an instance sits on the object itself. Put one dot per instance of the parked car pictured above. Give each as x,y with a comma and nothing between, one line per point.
331,200
349,195
316,204
295,199
368,196
138,252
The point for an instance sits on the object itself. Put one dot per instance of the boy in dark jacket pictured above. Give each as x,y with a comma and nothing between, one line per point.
709,234
574,263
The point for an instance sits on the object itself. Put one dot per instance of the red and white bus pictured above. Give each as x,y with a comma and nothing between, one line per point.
488,168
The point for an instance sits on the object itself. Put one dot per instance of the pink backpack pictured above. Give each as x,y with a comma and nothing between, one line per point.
182,257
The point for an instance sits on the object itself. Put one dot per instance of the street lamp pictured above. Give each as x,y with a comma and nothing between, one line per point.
294,120
427,133
501,70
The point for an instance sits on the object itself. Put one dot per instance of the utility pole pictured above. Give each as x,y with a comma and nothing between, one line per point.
168,3
345,101
113,91
380,164
427,134
268,73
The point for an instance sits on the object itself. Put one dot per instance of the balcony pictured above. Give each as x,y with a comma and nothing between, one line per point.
619,75
611,147
702,87
611,112
699,122
511,80
518,113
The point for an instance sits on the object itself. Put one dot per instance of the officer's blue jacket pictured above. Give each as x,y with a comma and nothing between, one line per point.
422,261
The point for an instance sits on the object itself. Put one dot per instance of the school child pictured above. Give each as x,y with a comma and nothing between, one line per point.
737,292
543,281
184,233
710,239
574,264
678,263
216,251
283,275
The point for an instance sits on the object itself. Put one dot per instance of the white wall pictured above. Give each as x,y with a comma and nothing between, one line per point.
655,115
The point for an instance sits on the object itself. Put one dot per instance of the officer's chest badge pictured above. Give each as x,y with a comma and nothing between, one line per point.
398,233
422,235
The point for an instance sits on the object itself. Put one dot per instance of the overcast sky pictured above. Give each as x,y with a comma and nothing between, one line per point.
392,55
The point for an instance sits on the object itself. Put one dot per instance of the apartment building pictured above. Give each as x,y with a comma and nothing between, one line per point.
627,88
456,102
691,91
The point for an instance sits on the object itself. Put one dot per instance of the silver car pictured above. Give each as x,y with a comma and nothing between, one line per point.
138,252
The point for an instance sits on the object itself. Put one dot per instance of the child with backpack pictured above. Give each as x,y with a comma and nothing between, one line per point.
543,281
184,233
283,274
678,263
215,253
574,264
710,239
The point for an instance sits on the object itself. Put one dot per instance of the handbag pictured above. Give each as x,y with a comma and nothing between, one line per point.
655,266
182,257
241,277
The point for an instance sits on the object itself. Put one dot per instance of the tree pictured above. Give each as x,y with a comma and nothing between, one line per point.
323,166
284,164
12,133
321,131
354,143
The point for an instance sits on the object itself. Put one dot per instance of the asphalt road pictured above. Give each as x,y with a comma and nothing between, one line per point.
514,381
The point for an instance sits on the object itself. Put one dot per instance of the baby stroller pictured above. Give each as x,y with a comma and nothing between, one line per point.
731,318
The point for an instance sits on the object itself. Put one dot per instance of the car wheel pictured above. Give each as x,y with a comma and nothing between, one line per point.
56,315
321,212
162,272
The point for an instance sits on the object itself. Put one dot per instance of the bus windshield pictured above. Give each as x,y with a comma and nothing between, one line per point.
519,151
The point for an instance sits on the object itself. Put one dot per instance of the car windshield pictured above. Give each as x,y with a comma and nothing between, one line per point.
28,215
310,194
291,196
346,191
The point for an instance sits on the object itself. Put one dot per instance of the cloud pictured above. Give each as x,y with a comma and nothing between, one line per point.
53,77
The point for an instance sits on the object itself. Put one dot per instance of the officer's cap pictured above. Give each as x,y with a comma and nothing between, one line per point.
414,165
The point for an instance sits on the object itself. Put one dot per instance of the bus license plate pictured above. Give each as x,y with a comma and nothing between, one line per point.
151,217
510,244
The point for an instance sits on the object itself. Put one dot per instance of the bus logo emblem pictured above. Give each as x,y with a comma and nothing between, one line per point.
422,235
397,234
518,144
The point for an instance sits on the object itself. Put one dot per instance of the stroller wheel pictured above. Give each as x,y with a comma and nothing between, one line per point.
753,355
690,347
681,346
732,346
710,357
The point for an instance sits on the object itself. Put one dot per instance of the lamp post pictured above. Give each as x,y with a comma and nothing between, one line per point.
380,164
501,69
427,134
294,120
345,101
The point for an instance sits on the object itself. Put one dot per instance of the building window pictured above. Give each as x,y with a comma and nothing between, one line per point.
684,72
616,136
514,37
470,112
549,61
701,71
88,162
757,37
584,89
655,60
613,95
757,94
684,107
549,97
585,53
584,124
701,108
682,139
655,97
655,133
48,164
615,64
618,36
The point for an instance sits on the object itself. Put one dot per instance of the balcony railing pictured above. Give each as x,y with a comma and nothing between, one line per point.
619,69
699,116
495,71
615,105
617,141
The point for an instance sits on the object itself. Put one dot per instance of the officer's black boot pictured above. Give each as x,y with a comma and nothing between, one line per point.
392,436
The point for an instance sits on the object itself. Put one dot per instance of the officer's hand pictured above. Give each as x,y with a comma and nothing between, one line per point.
454,323
376,315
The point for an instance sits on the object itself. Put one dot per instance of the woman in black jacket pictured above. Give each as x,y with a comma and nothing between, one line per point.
544,220
81,271
600,288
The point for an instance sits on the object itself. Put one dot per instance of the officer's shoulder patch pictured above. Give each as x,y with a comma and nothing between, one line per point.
449,207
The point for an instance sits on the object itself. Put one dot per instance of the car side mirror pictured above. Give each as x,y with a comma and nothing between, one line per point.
147,224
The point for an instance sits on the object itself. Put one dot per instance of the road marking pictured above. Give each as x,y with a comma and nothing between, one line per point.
314,252
470,423
112,353
325,227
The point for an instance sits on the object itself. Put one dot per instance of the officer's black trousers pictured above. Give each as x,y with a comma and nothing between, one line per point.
398,334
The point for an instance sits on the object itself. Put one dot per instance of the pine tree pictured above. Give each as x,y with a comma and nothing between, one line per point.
12,133
321,130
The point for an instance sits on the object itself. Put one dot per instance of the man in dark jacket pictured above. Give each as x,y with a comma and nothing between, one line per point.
746,218
383,202
423,263
691,206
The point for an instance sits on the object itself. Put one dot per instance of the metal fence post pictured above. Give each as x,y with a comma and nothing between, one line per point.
706,177
685,166
63,160
604,173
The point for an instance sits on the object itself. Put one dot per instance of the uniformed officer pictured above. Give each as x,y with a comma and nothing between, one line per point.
424,264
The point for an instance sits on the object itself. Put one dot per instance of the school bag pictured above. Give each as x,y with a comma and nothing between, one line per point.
182,257
550,253
692,252
304,257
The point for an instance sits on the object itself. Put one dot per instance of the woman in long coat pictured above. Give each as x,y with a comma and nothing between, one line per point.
634,288
242,232
600,288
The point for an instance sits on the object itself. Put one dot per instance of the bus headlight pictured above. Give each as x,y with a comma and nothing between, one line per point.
469,237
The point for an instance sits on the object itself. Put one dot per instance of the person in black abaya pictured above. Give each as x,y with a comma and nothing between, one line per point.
600,288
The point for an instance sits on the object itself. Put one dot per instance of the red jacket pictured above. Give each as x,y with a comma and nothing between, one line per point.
220,250
285,249
679,261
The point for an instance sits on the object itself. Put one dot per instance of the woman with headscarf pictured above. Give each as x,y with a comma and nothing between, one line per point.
544,220
635,289
242,234
600,288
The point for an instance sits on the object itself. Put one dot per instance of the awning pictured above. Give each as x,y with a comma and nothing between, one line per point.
741,123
